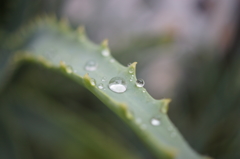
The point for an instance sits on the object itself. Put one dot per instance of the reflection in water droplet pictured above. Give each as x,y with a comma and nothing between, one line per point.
117,84
140,83
100,86
93,81
155,121
69,69
131,70
91,65
105,52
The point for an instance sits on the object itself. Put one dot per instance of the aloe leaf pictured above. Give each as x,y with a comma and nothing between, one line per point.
56,45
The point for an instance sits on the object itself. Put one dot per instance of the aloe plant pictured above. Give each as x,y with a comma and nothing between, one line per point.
49,63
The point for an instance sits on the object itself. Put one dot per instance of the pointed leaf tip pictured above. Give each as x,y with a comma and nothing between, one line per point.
165,105
133,65
86,77
81,30
105,43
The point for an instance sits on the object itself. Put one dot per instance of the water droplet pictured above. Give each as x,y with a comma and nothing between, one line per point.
112,60
129,64
69,69
173,134
117,84
155,121
105,52
93,81
131,70
138,120
100,86
144,90
131,78
103,79
91,65
140,83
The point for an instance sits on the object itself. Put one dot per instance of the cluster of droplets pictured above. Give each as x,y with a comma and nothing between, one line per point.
118,85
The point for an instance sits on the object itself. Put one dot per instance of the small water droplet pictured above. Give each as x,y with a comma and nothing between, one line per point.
138,120
103,79
131,70
129,64
144,90
112,60
155,121
100,86
105,52
173,134
140,83
131,78
117,84
93,81
69,69
91,65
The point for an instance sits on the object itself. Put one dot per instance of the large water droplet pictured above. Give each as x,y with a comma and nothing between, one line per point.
100,86
105,52
91,65
140,83
93,81
117,84
155,121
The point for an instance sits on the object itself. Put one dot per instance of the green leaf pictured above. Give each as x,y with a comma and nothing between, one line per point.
57,42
